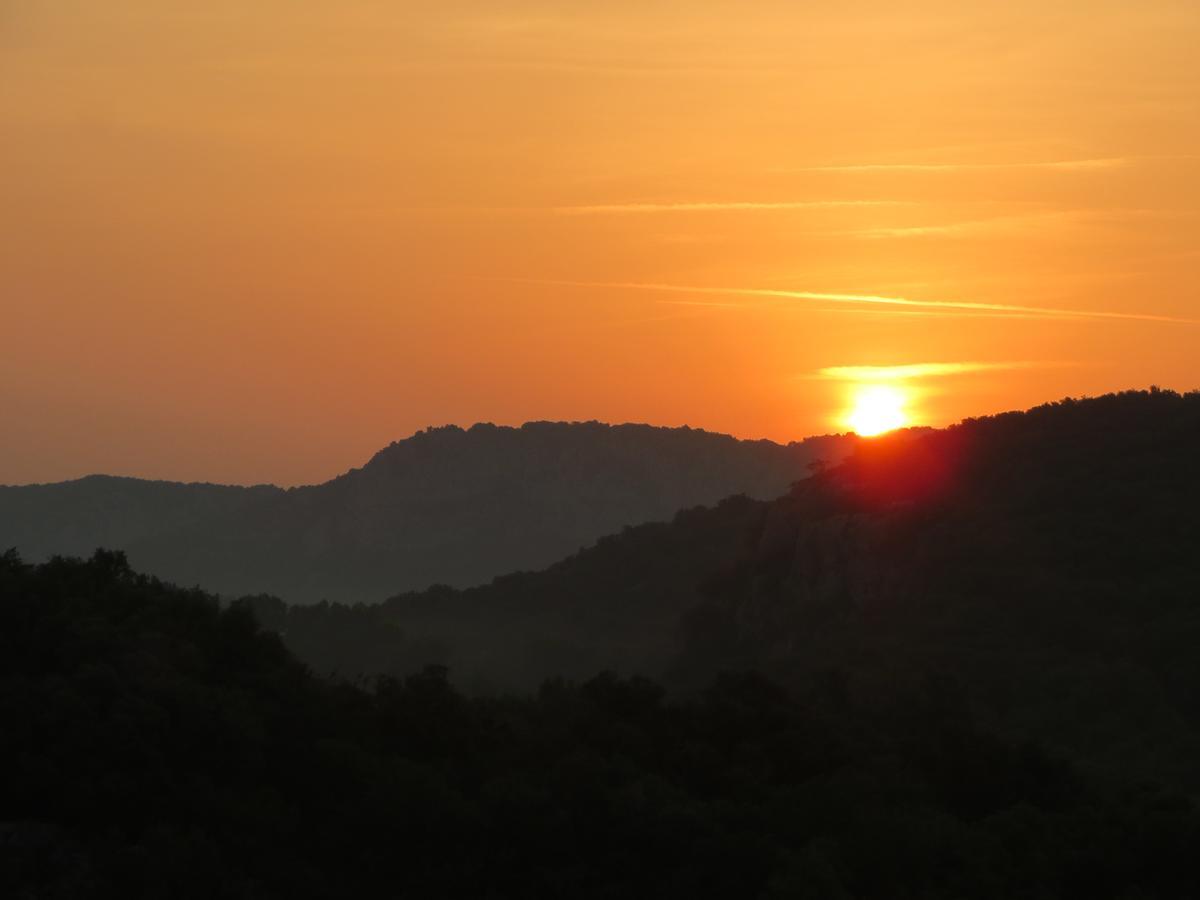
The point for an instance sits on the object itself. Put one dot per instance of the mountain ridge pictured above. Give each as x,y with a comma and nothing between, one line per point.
446,505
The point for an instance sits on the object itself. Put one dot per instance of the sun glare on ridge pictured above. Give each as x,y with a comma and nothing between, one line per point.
877,408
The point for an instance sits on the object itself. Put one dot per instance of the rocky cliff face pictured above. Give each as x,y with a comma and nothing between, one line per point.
825,567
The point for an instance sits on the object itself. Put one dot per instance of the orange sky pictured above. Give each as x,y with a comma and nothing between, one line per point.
256,241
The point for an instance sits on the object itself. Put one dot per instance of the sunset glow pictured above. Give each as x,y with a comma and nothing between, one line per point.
250,242
877,408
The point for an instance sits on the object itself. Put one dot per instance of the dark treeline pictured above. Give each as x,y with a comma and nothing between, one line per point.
156,744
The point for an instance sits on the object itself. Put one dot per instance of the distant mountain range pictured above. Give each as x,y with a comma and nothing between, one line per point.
446,506
1042,567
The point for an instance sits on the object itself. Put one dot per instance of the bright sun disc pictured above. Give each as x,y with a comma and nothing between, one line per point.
877,408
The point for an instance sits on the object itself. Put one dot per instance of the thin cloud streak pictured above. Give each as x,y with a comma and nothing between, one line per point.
1063,165
875,311
922,370
1018,225
873,299
975,226
733,206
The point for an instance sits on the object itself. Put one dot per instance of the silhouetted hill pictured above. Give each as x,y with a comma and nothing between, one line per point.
73,518
1045,564
156,745
448,506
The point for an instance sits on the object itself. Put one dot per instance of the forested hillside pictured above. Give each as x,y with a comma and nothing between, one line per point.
446,506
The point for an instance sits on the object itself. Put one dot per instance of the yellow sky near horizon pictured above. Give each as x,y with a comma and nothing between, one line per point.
254,242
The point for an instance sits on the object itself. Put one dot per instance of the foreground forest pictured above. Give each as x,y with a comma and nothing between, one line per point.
159,745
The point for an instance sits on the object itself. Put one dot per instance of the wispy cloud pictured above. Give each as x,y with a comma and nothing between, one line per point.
874,311
727,206
1020,224
922,370
1059,165
905,304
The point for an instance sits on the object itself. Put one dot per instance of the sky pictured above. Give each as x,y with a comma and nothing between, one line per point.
256,242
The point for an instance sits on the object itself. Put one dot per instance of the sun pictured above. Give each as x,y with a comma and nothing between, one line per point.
877,408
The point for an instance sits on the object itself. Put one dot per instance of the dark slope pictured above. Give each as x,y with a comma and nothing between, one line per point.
444,506
1045,563
155,745
1048,562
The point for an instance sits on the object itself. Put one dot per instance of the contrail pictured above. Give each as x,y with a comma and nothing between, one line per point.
922,370
733,206
878,300
995,223
1064,165
875,311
